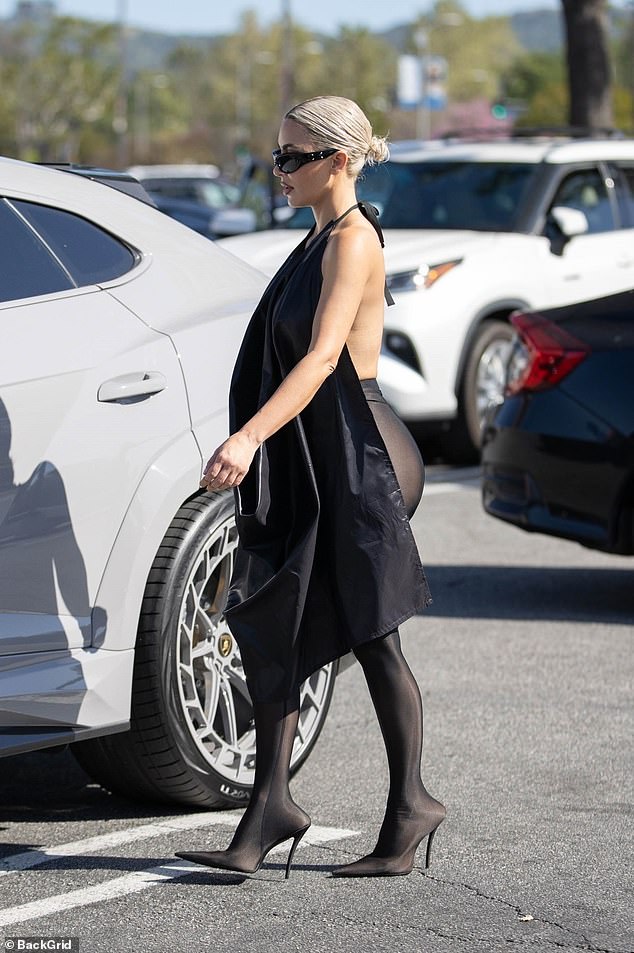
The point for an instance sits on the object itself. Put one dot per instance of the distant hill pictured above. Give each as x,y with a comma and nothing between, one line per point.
537,31
540,31
150,51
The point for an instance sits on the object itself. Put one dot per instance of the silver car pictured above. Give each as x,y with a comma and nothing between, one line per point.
119,332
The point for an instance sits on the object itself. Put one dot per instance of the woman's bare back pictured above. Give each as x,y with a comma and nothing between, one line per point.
364,339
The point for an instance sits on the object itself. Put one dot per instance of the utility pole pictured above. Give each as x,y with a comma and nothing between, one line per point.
120,121
286,71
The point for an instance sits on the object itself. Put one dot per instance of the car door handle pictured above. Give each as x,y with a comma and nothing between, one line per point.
138,384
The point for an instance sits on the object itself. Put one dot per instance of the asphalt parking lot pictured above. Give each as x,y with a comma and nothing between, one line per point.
525,661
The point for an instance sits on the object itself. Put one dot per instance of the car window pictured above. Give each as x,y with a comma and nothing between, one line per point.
204,190
481,196
625,180
585,190
90,254
28,269
217,194
174,189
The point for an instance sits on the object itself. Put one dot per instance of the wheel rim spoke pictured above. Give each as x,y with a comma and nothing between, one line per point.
215,701
491,376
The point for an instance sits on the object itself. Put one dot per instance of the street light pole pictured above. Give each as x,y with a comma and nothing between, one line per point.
286,71
422,39
423,113
120,122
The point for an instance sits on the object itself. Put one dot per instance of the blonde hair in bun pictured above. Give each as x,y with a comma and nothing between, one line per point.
379,150
333,121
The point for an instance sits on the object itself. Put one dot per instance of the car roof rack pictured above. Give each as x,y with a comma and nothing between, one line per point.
121,181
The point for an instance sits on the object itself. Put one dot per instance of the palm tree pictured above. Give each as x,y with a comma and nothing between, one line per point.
588,60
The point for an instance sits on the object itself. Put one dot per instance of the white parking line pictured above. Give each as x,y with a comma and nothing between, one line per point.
138,880
31,858
434,489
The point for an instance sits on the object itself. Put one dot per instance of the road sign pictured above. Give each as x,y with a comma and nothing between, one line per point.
422,81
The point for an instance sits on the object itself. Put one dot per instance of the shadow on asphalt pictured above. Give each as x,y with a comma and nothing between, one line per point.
532,593
50,786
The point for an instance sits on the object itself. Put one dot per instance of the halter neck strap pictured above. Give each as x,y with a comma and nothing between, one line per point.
372,215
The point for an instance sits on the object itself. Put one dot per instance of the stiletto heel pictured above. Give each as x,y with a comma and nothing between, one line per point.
230,860
430,841
272,817
296,839
381,863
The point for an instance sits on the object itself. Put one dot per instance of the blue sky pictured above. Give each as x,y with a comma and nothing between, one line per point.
222,16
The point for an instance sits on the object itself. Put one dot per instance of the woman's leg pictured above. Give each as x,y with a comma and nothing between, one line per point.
411,813
271,815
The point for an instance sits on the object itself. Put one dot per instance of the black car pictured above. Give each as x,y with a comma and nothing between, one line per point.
558,453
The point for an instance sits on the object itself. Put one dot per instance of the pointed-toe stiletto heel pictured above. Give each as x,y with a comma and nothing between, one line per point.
223,859
379,864
271,817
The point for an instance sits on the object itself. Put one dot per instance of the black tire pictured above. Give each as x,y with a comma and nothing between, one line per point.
482,385
191,740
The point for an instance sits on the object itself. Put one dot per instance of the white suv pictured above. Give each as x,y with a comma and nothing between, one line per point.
474,231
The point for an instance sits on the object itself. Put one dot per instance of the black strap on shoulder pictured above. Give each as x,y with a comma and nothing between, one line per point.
372,215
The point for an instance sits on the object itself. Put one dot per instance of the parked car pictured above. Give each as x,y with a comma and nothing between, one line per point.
558,454
474,231
191,181
120,330
197,196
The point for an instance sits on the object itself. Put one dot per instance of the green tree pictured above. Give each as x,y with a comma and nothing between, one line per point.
362,67
536,84
60,83
232,93
624,74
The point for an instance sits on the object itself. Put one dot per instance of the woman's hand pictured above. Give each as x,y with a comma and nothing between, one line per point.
229,464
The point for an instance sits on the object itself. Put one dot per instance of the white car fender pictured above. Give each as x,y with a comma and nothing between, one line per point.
171,479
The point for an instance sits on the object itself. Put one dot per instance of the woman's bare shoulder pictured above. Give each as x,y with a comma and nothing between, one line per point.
353,238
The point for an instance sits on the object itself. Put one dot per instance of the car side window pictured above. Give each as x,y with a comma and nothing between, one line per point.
585,190
90,254
625,178
27,269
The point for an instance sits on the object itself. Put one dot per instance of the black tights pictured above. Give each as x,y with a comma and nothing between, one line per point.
411,812
399,709
272,816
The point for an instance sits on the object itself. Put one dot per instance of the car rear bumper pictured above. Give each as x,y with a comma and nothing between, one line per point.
563,482
513,495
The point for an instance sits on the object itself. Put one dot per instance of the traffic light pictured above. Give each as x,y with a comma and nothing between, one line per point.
499,110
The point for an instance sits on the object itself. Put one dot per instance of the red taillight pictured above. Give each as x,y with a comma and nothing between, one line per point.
548,354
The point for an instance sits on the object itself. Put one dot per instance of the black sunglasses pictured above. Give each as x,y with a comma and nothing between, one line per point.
289,162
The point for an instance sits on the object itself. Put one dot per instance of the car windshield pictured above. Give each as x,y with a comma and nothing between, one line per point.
481,196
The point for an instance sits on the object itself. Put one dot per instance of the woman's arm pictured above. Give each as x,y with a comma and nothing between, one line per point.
348,261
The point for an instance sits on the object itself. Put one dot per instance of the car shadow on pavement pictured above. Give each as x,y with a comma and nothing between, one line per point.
45,786
532,593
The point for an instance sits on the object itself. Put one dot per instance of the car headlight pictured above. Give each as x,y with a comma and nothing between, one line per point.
423,277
